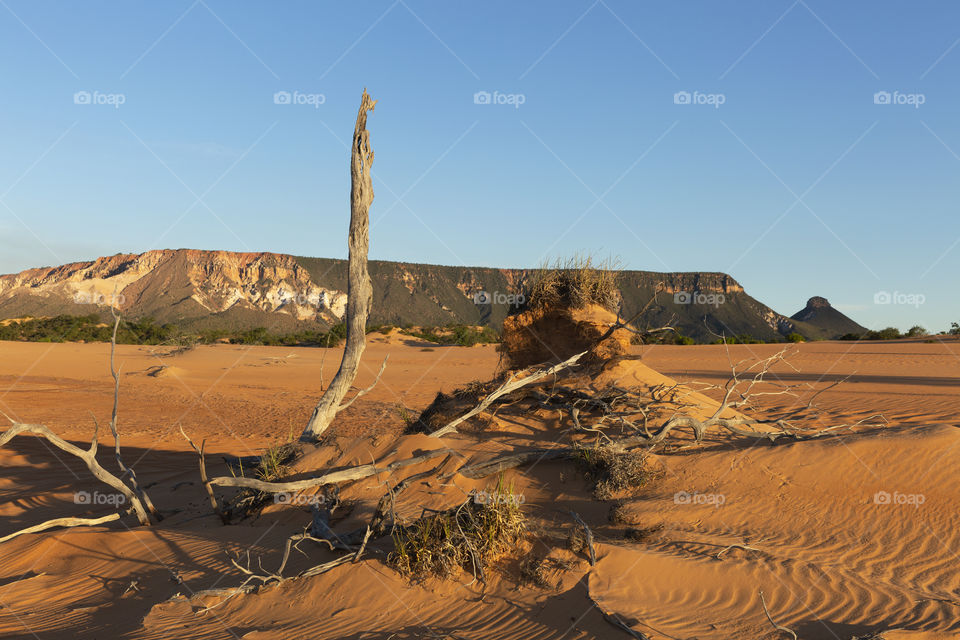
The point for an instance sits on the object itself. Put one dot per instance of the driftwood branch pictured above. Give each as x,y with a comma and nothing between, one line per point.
214,503
776,626
127,471
334,477
364,392
359,288
62,522
512,384
89,458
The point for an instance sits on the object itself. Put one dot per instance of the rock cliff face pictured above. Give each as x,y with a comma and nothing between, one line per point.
147,284
221,289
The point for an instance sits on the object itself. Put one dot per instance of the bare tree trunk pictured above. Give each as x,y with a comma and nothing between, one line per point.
359,289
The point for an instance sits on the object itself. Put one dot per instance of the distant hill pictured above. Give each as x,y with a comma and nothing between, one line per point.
227,290
819,314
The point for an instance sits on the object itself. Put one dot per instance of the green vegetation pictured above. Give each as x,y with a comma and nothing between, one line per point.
458,334
89,328
795,337
917,331
743,338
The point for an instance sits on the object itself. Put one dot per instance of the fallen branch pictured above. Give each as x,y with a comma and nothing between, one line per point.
509,386
89,458
62,522
334,477
775,625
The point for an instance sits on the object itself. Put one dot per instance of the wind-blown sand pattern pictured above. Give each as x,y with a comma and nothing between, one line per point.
845,535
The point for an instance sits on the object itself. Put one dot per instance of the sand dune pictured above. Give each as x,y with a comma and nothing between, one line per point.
845,535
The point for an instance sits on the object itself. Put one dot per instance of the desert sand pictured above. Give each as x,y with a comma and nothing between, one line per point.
844,535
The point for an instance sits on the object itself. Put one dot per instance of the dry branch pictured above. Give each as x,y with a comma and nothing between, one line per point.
89,458
359,288
224,518
509,386
134,482
62,522
775,625
334,477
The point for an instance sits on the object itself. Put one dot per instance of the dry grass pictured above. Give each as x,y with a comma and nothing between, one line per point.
575,283
535,571
614,473
467,537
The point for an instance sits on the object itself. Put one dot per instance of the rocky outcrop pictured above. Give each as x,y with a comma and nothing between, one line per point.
222,289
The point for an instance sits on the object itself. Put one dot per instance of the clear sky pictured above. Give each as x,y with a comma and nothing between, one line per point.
129,126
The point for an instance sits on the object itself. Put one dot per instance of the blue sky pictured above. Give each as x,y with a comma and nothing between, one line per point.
798,184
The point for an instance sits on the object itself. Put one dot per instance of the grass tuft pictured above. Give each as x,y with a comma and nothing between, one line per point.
467,537
575,283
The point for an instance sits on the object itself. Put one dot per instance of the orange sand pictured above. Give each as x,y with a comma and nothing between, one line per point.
833,557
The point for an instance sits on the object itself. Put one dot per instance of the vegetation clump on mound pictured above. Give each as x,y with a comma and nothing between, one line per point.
466,537
575,283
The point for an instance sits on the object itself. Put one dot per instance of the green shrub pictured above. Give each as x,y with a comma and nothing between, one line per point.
795,337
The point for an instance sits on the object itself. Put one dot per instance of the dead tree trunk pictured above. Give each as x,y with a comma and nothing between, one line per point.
359,289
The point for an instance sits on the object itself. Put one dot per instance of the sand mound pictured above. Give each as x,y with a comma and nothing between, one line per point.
549,334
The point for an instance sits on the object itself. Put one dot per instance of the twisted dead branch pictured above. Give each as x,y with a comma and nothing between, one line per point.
359,288
776,626
214,503
512,384
127,471
88,457
334,477
62,522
